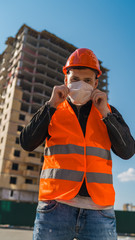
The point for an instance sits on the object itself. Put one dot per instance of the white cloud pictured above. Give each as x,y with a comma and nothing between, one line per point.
127,176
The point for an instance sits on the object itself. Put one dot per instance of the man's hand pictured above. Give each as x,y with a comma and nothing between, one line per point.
59,94
99,99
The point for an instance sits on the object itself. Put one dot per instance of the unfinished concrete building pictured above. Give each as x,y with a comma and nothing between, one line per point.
29,68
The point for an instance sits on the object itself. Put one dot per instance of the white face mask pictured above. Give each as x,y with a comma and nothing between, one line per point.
80,92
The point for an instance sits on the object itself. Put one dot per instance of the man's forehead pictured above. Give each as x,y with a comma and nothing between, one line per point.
79,72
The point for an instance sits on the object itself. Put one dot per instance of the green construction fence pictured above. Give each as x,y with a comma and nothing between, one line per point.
23,214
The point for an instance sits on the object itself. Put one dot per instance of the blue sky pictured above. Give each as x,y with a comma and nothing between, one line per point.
108,28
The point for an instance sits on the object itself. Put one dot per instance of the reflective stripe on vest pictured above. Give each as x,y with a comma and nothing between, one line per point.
56,173
64,149
99,177
72,175
71,148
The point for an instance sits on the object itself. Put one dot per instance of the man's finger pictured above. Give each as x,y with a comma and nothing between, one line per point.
96,96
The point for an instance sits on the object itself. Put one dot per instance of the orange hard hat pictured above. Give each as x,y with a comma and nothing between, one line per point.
83,57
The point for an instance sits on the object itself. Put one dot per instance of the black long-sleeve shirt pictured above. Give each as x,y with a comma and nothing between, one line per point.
122,142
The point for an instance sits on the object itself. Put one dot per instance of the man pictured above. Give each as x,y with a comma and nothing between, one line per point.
76,194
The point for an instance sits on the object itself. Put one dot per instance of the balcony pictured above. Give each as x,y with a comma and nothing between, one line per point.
41,70
50,53
37,104
52,80
13,172
29,82
30,187
25,86
33,160
32,38
29,61
44,43
57,48
27,50
30,45
45,51
25,102
39,85
25,72
38,94
39,74
27,92
31,173
49,60
28,69
31,42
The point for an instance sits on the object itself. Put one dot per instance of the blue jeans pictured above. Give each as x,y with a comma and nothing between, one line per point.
57,221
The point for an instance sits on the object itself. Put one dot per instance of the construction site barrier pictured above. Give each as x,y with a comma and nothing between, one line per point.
23,214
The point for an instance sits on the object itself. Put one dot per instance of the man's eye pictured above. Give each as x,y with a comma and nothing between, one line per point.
75,79
87,80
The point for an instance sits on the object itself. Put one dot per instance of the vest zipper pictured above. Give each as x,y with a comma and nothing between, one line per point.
118,132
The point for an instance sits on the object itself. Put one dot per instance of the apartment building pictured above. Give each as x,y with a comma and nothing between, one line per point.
128,207
29,68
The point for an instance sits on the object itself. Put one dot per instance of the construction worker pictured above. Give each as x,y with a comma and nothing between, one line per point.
76,194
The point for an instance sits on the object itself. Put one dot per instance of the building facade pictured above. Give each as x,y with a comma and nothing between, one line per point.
29,68
128,207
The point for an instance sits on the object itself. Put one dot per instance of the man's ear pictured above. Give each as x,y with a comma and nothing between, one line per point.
65,80
96,83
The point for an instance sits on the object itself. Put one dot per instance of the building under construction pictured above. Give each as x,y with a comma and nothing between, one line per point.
29,68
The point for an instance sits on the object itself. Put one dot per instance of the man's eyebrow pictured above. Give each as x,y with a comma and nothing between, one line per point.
89,78
75,78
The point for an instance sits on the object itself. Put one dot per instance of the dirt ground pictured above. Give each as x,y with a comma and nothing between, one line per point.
21,234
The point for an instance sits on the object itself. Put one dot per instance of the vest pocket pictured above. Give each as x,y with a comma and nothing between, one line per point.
47,206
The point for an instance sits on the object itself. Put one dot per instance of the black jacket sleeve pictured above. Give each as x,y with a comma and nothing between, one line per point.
36,131
122,141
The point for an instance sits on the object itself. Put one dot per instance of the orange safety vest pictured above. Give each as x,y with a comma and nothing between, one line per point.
70,157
